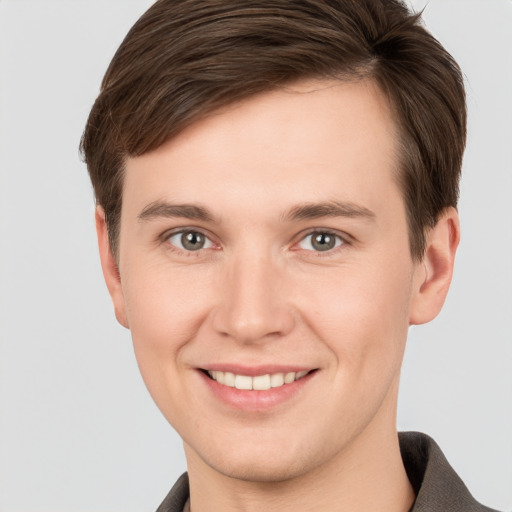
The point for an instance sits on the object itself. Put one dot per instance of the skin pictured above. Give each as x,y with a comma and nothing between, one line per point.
259,293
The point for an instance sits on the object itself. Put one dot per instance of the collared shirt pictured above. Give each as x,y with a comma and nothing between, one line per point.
436,485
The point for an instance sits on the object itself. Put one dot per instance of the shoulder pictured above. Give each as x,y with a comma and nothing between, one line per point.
177,498
437,485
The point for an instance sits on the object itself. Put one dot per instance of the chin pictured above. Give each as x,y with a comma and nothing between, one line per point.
263,472
255,462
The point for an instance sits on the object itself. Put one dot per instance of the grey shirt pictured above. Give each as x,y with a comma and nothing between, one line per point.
436,485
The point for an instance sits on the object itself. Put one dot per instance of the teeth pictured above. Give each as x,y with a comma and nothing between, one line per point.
260,382
289,378
242,382
276,380
229,379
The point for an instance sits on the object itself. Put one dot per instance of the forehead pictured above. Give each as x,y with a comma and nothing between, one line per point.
301,143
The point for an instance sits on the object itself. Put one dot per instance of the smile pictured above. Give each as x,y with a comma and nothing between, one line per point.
258,382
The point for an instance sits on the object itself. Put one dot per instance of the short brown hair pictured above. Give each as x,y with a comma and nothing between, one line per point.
184,59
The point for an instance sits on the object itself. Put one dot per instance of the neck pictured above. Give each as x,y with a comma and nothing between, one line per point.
368,475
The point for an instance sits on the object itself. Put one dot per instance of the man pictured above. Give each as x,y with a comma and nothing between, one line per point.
277,185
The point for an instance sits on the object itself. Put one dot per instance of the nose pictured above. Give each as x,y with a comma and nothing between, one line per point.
253,302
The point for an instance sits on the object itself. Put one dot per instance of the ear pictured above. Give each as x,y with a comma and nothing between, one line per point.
433,274
110,269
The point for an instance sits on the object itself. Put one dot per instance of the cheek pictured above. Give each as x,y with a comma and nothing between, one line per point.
362,315
165,310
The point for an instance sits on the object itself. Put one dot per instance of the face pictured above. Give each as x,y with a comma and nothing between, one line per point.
266,247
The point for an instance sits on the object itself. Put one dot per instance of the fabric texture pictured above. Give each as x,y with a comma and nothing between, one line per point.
436,485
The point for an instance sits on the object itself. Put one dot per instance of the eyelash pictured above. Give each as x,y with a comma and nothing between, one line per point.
341,241
166,237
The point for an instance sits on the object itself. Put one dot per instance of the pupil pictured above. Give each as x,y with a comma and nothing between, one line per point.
323,242
192,241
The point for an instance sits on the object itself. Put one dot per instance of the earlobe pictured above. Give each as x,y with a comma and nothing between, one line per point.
433,274
110,268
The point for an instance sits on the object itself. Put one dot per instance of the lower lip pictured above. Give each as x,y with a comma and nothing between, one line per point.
256,400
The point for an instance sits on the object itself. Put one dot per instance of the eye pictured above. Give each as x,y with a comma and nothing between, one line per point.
190,240
320,241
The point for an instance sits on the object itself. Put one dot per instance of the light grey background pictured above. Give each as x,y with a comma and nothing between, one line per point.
78,431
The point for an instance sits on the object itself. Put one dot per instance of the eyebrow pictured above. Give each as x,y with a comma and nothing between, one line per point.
305,211
164,209
309,211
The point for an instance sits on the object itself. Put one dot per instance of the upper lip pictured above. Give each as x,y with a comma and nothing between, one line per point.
253,371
